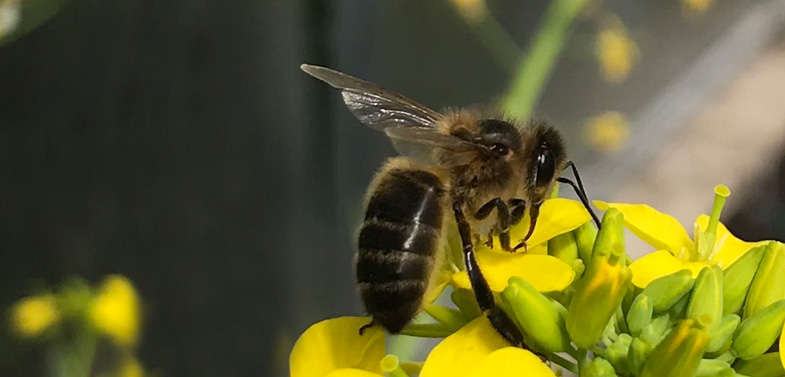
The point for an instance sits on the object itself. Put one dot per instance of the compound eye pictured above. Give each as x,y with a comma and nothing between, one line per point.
499,150
546,166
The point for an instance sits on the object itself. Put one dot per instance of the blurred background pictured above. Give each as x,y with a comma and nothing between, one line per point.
178,144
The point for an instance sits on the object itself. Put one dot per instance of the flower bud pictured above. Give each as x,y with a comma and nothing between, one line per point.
639,314
585,235
638,353
600,291
655,330
617,353
714,368
667,290
679,353
598,367
563,247
705,304
757,333
539,317
766,365
737,278
768,285
722,333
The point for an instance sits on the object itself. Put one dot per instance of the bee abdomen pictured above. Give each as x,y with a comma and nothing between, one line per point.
397,245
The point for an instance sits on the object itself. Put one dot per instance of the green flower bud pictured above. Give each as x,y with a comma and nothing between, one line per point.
655,330
638,353
722,333
766,365
667,290
737,279
679,353
598,367
600,291
714,368
639,314
616,353
757,333
563,247
679,309
538,316
585,236
705,304
464,300
768,285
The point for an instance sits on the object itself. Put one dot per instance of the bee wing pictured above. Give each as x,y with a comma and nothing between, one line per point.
429,147
374,106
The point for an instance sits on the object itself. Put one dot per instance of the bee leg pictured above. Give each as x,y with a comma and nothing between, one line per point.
534,214
503,224
482,291
579,190
367,326
489,243
517,210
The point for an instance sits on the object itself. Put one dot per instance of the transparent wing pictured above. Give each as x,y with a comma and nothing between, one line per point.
431,148
374,106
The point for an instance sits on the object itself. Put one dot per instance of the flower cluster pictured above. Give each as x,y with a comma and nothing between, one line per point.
74,321
710,305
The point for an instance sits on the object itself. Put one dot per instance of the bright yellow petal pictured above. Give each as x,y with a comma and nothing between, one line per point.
31,316
336,344
557,216
464,349
116,310
658,264
727,247
511,362
654,227
782,347
544,272
352,372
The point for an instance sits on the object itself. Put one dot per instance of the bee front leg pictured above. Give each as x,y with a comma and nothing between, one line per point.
503,222
517,210
482,291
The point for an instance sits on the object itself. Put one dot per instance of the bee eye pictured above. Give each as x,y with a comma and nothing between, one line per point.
499,150
546,166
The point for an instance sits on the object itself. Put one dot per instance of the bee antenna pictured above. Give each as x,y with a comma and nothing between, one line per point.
579,190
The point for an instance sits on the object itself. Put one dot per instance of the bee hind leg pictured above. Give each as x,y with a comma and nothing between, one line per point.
367,326
482,291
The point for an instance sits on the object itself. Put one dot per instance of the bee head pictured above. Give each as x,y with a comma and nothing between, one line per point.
546,158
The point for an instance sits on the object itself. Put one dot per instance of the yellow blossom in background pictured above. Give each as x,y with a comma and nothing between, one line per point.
115,310
130,367
607,132
696,6
615,51
10,12
31,316
472,11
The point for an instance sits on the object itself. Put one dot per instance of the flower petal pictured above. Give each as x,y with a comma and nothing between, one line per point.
654,227
352,372
782,347
728,248
557,216
511,362
658,264
336,344
464,349
544,272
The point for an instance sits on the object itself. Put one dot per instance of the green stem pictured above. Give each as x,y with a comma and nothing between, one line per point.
537,65
427,330
498,42
391,367
448,316
721,193
563,362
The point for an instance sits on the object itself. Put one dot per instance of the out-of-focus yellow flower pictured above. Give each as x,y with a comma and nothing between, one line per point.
544,272
676,251
130,367
472,11
615,51
10,12
115,310
33,315
334,348
607,132
478,350
696,6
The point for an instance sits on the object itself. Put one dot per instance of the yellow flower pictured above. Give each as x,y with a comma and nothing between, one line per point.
33,315
478,350
472,11
334,348
713,243
696,6
544,272
616,51
115,310
607,132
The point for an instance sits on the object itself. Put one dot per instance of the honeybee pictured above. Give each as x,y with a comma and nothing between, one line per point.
461,164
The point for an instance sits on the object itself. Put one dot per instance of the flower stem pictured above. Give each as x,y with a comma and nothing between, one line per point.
451,317
391,367
537,65
563,362
428,330
721,193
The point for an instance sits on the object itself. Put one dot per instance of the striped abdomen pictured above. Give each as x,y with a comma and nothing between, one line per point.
397,245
